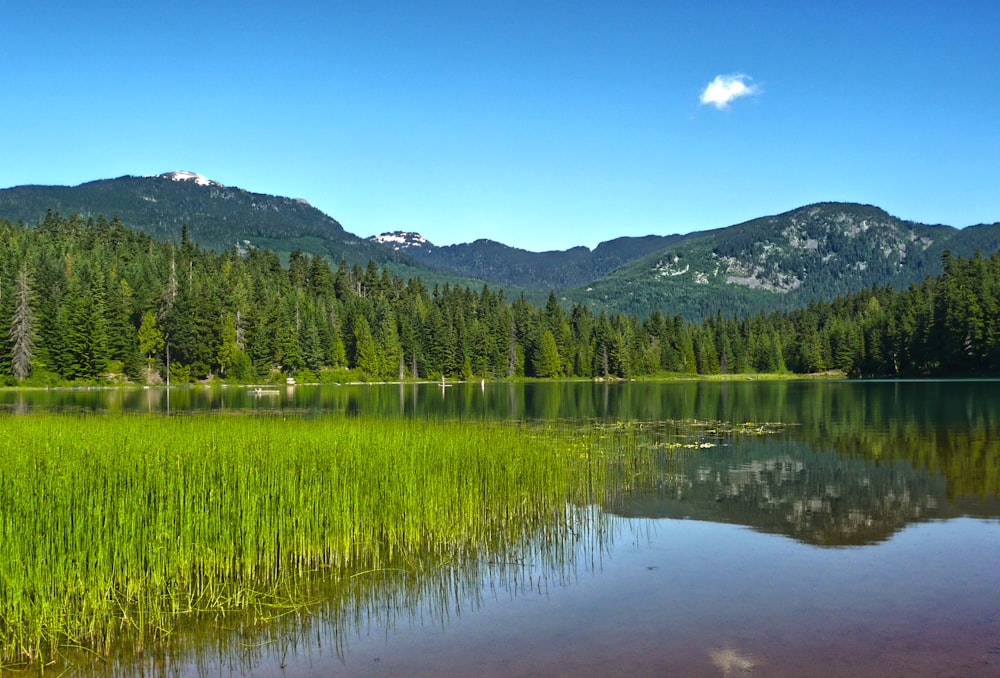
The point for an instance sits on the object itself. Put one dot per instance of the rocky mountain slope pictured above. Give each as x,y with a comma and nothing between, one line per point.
783,261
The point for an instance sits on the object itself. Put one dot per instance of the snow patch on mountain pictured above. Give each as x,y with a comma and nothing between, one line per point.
402,240
184,175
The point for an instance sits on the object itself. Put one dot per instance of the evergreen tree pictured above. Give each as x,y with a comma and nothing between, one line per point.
100,295
230,357
367,359
86,349
546,362
123,342
150,337
390,351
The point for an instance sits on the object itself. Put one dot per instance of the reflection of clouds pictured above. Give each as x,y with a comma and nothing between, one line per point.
732,661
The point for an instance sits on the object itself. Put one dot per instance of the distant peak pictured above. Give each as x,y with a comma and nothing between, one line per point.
402,240
184,175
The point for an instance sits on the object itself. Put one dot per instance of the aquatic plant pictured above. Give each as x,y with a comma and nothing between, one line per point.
116,529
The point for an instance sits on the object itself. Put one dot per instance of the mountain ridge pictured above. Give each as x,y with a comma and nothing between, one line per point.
768,263
505,264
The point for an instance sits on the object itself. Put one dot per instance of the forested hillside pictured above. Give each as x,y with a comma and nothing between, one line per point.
90,300
773,263
217,217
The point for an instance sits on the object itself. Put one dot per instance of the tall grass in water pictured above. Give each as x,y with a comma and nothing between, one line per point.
116,528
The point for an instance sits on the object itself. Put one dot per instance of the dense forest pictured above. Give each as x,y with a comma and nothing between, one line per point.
89,300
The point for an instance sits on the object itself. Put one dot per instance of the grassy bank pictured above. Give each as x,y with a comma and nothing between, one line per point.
118,528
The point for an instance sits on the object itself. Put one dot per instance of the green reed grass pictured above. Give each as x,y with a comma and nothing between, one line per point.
118,528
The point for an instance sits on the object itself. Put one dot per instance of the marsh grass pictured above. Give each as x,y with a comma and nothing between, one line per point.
116,530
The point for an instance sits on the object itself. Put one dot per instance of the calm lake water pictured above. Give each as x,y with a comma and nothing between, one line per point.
862,537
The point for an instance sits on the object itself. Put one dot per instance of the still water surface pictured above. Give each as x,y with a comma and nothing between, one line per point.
861,538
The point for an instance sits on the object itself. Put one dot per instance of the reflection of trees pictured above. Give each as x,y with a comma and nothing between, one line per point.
947,434
946,428
858,461
950,429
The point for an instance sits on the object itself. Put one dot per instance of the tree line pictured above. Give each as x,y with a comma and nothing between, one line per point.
87,300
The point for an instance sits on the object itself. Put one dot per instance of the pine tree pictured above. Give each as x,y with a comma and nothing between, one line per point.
123,343
86,345
150,337
390,350
367,358
546,361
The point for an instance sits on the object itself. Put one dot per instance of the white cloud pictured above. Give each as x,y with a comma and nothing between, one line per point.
725,88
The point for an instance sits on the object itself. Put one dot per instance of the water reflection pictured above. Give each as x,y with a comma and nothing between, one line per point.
916,449
879,405
370,605
895,467
784,486
949,430
668,597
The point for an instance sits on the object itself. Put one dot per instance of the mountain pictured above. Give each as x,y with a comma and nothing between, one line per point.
543,271
405,241
775,262
184,175
221,217
770,263
781,262
218,217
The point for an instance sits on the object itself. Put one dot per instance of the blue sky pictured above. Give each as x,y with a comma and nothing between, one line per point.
542,125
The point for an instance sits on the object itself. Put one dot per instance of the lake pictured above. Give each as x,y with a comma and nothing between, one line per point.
857,534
